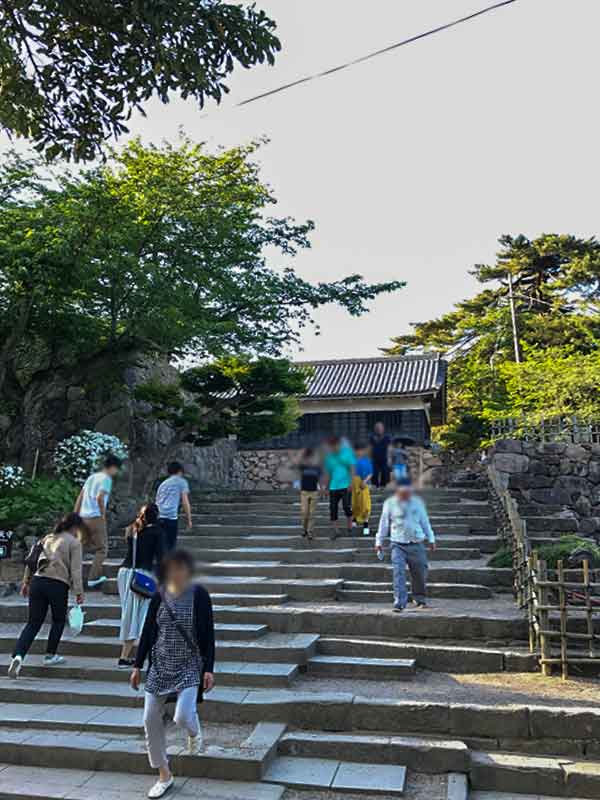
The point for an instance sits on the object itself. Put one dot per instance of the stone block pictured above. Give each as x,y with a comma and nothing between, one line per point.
302,772
546,747
511,462
508,446
515,774
458,787
582,778
379,778
494,721
554,723
400,715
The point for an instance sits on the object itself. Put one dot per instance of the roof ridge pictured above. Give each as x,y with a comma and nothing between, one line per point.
372,359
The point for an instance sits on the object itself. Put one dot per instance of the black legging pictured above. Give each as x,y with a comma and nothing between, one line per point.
44,592
335,495
381,473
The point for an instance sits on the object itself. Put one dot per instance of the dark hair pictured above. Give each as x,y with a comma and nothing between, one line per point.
333,440
174,467
360,446
308,452
147,515
398,440
405,483
179,558
112,461
68,522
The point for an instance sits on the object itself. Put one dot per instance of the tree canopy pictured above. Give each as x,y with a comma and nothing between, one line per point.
556,284
161,250
72,74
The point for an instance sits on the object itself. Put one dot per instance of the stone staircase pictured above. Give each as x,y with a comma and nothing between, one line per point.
319,685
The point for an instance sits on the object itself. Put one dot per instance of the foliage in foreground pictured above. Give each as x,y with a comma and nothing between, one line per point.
37,504
556,280
73,73
551,553
164,251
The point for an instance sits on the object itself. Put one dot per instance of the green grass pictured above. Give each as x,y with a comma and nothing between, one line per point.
550,553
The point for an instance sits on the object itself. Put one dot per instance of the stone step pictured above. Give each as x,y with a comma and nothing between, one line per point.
90,669
366,592
337,776
363,667
109,587
103,753
49,783
110,627
465,509
372,570
511,796
293,648
291,495
454,658
426,755
309,555
457,528
534,775
245,520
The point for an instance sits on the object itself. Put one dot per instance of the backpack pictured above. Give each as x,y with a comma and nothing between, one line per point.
36,559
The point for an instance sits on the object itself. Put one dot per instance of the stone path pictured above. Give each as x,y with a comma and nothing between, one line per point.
322,691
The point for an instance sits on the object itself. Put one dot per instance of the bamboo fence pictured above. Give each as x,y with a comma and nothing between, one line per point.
562,605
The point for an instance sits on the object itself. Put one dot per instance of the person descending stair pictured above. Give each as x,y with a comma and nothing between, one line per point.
404,520
178,639
310,478
361,489
339,468
53,565
145,547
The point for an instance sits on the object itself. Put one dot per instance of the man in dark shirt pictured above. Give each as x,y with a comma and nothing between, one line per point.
380,444
310,476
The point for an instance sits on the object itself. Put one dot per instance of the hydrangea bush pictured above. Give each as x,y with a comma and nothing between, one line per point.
11,477
78,456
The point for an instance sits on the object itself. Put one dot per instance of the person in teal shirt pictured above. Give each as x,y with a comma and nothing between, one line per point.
339,469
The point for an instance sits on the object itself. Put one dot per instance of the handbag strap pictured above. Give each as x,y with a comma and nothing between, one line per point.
134,557
193,645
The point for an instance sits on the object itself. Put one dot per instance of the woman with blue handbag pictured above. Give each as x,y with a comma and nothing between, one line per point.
136,579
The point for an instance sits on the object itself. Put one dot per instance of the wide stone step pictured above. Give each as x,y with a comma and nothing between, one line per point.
291,495
322,519
293,648
457,528
241,632
310,555
230,673
366,668
365,592
49,783
533,775
455,657
221,598
104,753
426,755
442,508
337,776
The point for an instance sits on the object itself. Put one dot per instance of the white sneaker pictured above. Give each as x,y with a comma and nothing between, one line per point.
15,667
98,582
50,661
160,788
195,745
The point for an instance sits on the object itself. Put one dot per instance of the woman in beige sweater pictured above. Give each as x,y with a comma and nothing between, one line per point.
58,570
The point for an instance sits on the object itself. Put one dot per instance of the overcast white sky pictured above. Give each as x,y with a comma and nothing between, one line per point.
413,164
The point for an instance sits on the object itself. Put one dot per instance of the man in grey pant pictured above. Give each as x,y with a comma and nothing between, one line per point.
404,520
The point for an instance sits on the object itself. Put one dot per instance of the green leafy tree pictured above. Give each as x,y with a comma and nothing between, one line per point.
253,399
166,251
557,297
72,74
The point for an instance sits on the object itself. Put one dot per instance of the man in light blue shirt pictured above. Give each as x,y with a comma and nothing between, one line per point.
173,492
405,522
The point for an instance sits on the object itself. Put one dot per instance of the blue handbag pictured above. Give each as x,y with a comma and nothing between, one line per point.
142,584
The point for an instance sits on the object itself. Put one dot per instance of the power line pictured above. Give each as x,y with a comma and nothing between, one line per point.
376,53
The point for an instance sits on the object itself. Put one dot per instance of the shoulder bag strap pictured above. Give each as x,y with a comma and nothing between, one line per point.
134,556
179,626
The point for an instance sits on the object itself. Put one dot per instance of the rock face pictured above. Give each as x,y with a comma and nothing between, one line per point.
552,478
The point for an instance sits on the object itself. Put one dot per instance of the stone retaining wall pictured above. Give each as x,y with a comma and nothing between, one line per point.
552,479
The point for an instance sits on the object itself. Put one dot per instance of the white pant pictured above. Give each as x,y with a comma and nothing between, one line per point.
185,716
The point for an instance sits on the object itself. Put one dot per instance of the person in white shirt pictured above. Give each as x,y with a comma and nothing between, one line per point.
405,522
91,505
172,493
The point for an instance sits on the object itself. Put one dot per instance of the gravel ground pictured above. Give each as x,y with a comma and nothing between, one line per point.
487,689
418,787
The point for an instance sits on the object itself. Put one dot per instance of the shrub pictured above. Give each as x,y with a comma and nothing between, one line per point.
11,477
35,505
551,553
78,456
